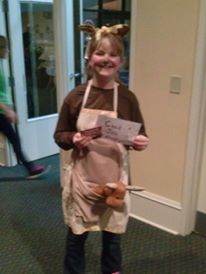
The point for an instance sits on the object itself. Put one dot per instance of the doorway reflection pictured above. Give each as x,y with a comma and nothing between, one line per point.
39,58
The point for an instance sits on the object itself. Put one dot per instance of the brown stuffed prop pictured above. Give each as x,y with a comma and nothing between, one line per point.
114,193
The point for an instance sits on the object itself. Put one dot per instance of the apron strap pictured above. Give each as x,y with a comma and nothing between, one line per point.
115,100
86,93
115,97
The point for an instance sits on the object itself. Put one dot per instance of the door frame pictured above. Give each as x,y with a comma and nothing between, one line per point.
65,65
196,133
59,10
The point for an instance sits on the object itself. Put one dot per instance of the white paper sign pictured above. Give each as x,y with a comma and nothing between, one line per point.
118,130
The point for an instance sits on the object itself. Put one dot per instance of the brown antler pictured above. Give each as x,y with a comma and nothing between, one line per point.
88,28
119,29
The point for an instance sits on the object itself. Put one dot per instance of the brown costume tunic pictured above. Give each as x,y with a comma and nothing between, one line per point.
128,109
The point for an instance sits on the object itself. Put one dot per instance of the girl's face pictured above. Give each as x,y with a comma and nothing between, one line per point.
104,61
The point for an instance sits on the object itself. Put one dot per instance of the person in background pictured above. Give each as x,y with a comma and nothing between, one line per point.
97,161
8,117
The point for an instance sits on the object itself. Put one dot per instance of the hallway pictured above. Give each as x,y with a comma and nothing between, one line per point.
32,233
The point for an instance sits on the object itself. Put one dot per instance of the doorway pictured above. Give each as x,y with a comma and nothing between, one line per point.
31,36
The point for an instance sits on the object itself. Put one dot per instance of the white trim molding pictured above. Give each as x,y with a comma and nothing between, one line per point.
157,211
60,28
133,39
196,130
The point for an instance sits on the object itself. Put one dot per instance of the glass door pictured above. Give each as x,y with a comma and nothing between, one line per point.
33,62
39,61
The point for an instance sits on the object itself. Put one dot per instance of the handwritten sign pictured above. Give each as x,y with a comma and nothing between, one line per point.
118,130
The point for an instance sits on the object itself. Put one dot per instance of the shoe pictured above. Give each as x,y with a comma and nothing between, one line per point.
112,272
38,170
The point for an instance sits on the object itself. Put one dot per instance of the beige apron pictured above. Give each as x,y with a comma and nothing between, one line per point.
101,162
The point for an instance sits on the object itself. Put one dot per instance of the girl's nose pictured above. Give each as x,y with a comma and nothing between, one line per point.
106,59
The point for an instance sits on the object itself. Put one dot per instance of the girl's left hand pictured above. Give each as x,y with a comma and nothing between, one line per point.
81,141
140,142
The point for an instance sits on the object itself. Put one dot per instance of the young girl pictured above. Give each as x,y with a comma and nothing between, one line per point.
97,161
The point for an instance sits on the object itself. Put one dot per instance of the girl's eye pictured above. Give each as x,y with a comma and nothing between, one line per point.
113,54
99,52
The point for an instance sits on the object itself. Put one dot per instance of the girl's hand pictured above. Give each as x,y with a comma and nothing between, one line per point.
11,115
140,142
81,141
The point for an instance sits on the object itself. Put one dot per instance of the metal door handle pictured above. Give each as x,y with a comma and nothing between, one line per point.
75,75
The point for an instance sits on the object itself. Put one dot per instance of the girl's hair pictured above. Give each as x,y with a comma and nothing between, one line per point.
115,40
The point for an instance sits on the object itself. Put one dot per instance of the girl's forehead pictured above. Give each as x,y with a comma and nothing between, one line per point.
104,43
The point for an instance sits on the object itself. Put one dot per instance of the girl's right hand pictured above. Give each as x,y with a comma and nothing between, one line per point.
81,141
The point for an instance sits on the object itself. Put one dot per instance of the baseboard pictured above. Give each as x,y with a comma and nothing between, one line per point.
157,211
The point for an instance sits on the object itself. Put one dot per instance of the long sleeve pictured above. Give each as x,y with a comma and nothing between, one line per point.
66,125
65,128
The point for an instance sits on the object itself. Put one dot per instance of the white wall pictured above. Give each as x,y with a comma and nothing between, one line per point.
165,46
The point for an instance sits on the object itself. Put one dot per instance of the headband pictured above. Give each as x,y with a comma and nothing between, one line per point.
119,29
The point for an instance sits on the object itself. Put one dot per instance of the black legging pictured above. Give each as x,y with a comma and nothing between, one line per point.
7,129
111,259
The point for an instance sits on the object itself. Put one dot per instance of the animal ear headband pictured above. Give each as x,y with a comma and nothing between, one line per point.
120,29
